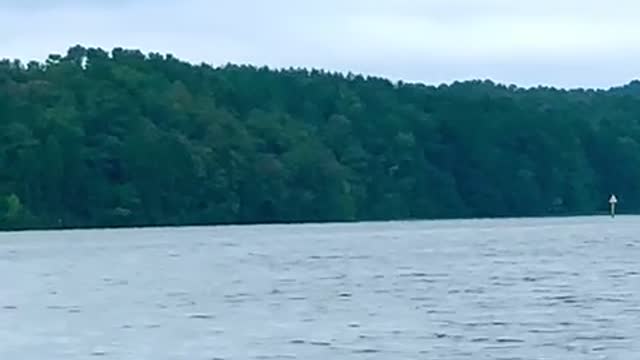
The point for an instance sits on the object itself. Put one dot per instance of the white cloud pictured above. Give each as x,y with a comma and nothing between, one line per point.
564,43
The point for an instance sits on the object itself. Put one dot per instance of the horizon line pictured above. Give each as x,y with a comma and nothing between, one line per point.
344,73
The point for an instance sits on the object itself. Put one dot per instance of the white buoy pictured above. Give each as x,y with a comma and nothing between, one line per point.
613,200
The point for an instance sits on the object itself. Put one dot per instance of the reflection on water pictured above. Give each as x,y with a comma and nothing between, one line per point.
494,289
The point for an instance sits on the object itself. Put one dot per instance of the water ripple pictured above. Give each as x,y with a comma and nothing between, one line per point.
485,289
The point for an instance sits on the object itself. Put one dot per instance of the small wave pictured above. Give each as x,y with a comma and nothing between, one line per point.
365,351
200,316
320,343
509,340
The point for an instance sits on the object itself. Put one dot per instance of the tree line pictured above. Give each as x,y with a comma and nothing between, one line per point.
99,138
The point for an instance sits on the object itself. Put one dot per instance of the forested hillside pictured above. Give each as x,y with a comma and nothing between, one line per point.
96,138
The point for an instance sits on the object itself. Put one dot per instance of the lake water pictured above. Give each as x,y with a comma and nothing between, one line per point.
485,289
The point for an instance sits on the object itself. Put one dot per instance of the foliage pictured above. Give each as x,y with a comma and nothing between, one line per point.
120,138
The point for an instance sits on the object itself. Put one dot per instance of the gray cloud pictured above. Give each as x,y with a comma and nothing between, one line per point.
566,43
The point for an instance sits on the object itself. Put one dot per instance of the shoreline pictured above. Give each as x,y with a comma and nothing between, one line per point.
316,223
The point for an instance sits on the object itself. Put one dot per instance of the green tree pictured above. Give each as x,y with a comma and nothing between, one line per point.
122,138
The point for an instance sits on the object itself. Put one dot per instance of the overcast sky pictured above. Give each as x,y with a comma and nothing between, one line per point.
564,43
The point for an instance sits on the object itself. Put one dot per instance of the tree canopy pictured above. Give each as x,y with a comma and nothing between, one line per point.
121,138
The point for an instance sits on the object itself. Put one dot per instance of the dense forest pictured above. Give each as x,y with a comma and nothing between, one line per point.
95,138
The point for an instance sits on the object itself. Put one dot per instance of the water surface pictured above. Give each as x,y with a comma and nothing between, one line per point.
483,289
